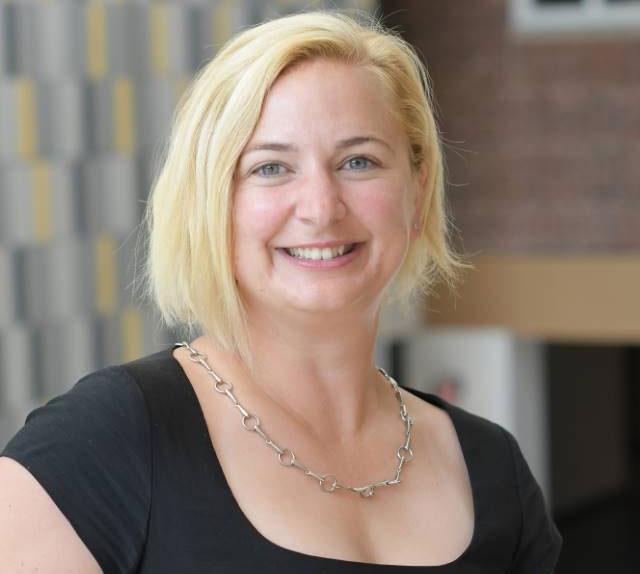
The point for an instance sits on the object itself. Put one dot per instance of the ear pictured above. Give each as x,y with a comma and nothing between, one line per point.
420,192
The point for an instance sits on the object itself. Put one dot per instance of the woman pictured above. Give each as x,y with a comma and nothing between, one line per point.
303,188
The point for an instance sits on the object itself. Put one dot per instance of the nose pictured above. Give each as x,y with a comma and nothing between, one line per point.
319,199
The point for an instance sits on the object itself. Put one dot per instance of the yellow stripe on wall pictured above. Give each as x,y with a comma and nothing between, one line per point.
96,40
365,5
105,273
27,119
41,182
131,334
282,5
221,23
159,39
123,116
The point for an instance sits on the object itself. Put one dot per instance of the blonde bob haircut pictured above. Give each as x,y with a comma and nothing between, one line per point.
188,270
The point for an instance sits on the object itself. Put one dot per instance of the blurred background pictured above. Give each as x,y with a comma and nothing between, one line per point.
539,107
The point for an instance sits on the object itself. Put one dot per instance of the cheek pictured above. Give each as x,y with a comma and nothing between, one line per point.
257,218
386,218
385,210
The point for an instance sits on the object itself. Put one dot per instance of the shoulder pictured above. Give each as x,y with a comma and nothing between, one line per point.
89,449
101,422
492,449
106,402
506,485
473,431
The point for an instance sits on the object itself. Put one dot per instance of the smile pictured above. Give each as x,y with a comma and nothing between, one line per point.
317,254
321,258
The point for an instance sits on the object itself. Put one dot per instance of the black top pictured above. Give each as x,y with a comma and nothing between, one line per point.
126,456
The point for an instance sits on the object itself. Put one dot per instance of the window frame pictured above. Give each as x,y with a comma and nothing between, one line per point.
529,17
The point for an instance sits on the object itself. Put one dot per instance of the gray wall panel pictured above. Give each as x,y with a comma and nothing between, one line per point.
66,139
8,121
17,198
62,203
16,368
7,289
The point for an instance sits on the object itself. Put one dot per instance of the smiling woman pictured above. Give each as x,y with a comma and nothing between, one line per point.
302,190
240,127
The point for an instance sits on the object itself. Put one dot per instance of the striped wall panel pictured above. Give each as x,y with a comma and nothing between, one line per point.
87,91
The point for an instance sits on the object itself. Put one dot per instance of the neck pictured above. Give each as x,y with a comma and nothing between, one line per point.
321,377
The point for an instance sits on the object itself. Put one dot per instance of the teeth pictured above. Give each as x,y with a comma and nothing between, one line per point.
316,253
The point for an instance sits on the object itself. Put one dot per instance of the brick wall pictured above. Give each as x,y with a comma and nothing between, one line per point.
542,137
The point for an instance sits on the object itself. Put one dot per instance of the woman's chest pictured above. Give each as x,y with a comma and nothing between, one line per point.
400,526
427,519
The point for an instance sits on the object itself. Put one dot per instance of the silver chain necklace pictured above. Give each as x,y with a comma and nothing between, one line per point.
328,482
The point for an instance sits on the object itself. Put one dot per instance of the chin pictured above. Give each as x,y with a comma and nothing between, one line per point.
322,305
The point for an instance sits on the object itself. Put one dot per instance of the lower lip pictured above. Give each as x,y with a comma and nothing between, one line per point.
339,261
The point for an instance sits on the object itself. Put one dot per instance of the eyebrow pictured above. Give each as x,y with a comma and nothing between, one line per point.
280,146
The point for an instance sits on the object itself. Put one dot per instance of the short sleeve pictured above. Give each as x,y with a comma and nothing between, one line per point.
89,449
540,541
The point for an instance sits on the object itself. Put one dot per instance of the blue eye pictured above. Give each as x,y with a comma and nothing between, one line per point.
274,169
269,173
360,159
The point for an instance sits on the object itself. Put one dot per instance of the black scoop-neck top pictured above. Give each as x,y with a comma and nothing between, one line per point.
126,456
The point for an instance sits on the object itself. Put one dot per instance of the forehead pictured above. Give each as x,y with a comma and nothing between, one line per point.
331,94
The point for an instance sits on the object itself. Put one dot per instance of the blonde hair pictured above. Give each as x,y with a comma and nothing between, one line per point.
188,269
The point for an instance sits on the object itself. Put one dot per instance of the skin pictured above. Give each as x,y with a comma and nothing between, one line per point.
314,330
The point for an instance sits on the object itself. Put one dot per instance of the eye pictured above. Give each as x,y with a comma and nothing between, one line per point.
358,162
267,169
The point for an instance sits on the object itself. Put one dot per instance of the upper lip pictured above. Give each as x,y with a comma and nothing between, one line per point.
321,245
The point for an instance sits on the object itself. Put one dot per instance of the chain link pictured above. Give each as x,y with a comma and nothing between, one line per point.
286,457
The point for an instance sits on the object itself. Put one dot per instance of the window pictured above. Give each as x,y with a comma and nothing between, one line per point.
541,17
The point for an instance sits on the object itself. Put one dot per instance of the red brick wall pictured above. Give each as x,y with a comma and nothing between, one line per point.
542,138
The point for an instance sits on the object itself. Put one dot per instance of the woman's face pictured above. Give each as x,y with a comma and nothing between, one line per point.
327,162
